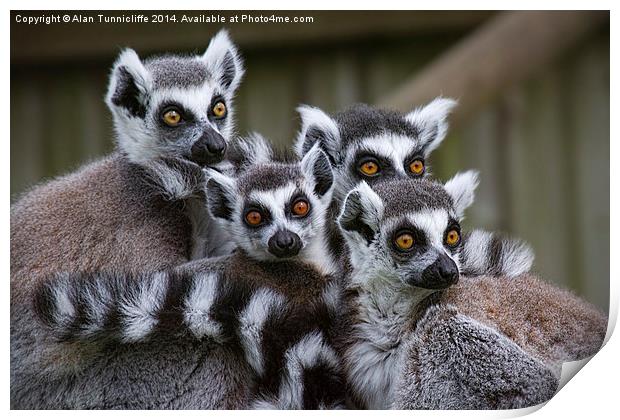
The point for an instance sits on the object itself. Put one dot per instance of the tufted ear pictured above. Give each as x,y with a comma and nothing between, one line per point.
432,122
315,166
250,150
223,60
129,87
317,128
361,214
221,194
462,189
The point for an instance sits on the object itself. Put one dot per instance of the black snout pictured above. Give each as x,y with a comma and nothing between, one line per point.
284,244
209,148
440,274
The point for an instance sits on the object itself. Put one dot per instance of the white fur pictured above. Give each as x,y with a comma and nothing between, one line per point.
432,121
372,363
361,199
98,304
475,250
392,147
215,53
198,306
303,355
263,303
139,310
314,117
462,189
64,313
255,148
129,60
171,183
516,258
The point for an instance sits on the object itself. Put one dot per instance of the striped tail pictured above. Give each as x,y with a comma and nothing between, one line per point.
490,253
127,308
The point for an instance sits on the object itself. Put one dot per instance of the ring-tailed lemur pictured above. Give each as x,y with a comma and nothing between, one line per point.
373,145
486,342
141,208
273,300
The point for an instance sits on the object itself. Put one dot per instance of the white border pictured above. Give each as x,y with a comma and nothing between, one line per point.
593,394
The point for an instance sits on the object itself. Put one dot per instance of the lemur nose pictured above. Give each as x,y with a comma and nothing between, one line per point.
216,146
284,244
441,274
209,148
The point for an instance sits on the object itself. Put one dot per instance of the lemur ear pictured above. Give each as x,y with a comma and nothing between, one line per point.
221,191
223,60
462,189
432,122
361,213
317,128
130,84
251,150
315,165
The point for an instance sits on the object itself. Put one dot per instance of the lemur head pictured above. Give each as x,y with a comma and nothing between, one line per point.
369,144
274,209
175,106
407,232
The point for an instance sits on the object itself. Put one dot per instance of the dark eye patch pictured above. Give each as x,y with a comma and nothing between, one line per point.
386,170
416,154
420,241
298,195
265,213
186,115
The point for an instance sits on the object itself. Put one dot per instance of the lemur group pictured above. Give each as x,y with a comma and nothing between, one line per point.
193,268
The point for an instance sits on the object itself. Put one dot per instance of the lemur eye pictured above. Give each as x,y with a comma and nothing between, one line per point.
417,167
301,208
369,167
219,110
253,218
453,237
404,241
172,117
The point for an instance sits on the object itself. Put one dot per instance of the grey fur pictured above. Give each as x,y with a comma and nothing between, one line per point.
523,328
455,362
201,300
137,210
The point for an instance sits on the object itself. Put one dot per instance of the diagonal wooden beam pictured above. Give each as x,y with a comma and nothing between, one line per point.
508,48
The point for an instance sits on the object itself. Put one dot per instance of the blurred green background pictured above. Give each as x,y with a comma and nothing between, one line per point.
537,128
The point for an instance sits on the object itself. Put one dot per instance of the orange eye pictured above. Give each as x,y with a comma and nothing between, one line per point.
404,241
219,110
417,167
453,238
369,167
253,218
172,117
301,208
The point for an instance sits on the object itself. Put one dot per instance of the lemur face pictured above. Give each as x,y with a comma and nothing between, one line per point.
176,106
372,145
274,210
407,232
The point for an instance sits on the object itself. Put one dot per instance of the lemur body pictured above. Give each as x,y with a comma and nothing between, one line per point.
141,208
487,342
271,303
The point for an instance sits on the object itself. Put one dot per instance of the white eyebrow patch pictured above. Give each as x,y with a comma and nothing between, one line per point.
395,148
432,222
275,200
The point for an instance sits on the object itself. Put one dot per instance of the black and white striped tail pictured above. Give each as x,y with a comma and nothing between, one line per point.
490,253
295,366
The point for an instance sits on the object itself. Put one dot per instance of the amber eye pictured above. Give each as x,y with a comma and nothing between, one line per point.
417,167
301,207
453,237
253,218
404,241
219,110
369,167
172,117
